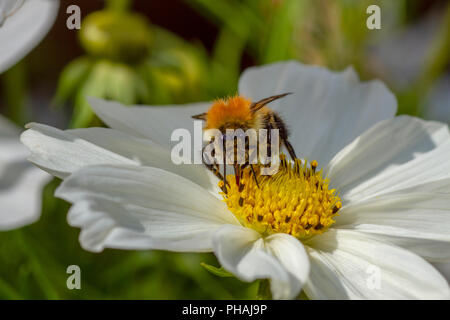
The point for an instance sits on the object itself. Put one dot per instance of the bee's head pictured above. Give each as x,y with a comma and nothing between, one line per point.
235,112
230,113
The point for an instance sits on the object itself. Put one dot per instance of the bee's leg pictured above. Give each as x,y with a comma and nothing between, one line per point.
241,170
217,167
224,179
269,143
275,121
214,168
290,149
225,183
237,174
249,162
269,140
248,158
254,175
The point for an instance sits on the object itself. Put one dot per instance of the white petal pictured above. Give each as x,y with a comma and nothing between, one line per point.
351,265
290,252
20,194
396,154
444,269
152,122
430,249
419,222
20,183
133,207
280,258
8,129
147,153
24,27
8,8
62,152
326,111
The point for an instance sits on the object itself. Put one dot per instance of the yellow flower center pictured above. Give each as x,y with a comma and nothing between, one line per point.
295,200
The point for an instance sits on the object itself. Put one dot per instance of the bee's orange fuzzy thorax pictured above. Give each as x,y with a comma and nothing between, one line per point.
225,111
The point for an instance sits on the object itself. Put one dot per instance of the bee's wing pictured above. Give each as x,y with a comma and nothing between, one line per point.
255,106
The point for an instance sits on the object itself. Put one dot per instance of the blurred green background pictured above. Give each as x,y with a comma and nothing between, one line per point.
170,52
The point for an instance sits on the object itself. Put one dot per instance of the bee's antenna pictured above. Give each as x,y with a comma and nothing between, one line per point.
201,116
261,103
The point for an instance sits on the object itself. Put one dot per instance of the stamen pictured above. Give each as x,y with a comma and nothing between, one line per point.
295,200
314,165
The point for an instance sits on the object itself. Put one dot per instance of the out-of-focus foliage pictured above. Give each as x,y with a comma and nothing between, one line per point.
327,33
131,61
34,260
154,66
330,33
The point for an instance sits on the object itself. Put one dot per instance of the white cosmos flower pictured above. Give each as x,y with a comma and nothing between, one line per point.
23,24
392,175
20,182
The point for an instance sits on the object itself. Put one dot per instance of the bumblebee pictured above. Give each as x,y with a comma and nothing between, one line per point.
240,113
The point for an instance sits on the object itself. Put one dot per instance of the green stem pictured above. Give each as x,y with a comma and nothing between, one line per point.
38,267
264,290
14,87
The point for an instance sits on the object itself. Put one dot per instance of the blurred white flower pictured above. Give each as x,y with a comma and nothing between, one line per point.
392,177
401,55
23,24
402,58
20,184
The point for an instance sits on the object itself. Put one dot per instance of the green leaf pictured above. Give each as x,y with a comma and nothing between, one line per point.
164,39
82,112
158,84
236,16
121,84
94,86
220,272
8,292
281,31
